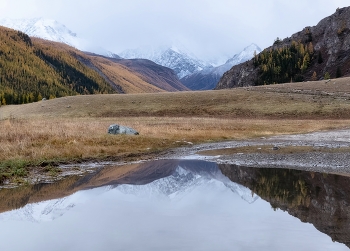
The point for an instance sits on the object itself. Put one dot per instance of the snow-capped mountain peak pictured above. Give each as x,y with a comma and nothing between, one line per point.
209,77
174,57
43,28
244,55
52,30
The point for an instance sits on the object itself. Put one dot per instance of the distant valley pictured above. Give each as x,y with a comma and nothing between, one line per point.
207,79
51,62
34,68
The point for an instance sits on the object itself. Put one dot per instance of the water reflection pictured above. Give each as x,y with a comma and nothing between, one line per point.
162,205
321,199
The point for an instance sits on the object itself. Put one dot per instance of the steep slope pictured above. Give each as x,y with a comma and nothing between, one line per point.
159,76
317,52
31,70
207,79
34,68
135,75
181,62
120,77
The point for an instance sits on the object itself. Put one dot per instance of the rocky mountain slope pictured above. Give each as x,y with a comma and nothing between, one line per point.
208,78
321,51
181,62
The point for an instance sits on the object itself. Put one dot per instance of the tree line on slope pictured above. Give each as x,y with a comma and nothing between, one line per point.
32,70
286,64
289,63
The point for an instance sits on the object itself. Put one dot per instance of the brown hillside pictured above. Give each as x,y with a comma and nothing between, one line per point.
147,76
122,79
160,76
306,100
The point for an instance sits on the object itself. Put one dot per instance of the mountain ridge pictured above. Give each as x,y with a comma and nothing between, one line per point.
207,79
34,68
172,57
52,30
327,45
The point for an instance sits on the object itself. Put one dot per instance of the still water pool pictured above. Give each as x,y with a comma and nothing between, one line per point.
179,205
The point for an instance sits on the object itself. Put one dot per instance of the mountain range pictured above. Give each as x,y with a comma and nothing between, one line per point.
195,74
172,57
208,78
34,68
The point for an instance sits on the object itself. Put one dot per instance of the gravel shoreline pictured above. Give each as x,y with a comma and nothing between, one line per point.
327,162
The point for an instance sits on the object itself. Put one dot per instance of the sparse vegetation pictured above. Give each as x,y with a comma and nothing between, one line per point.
277,41
327,76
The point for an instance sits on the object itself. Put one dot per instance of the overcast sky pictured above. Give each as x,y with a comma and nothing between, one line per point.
208,28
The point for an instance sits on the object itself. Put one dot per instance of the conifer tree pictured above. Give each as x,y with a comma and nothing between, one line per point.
327,75
314,76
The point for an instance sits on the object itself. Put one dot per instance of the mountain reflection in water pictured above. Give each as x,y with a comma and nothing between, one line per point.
179,205
317,198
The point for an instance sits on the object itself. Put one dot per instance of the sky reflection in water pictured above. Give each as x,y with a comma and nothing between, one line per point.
195,208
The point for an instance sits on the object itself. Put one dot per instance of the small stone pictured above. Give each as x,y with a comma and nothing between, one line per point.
275,148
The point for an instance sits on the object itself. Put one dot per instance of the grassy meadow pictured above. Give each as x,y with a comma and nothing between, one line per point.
74,129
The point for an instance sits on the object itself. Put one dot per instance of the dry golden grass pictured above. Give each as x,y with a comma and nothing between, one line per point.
40,140
128,80
75,128
277,102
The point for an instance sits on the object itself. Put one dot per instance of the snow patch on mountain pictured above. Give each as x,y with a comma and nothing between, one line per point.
182,62
48,29
52,30
245,55
208,78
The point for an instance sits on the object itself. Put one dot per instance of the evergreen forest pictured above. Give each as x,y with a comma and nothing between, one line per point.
285,64
32,69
